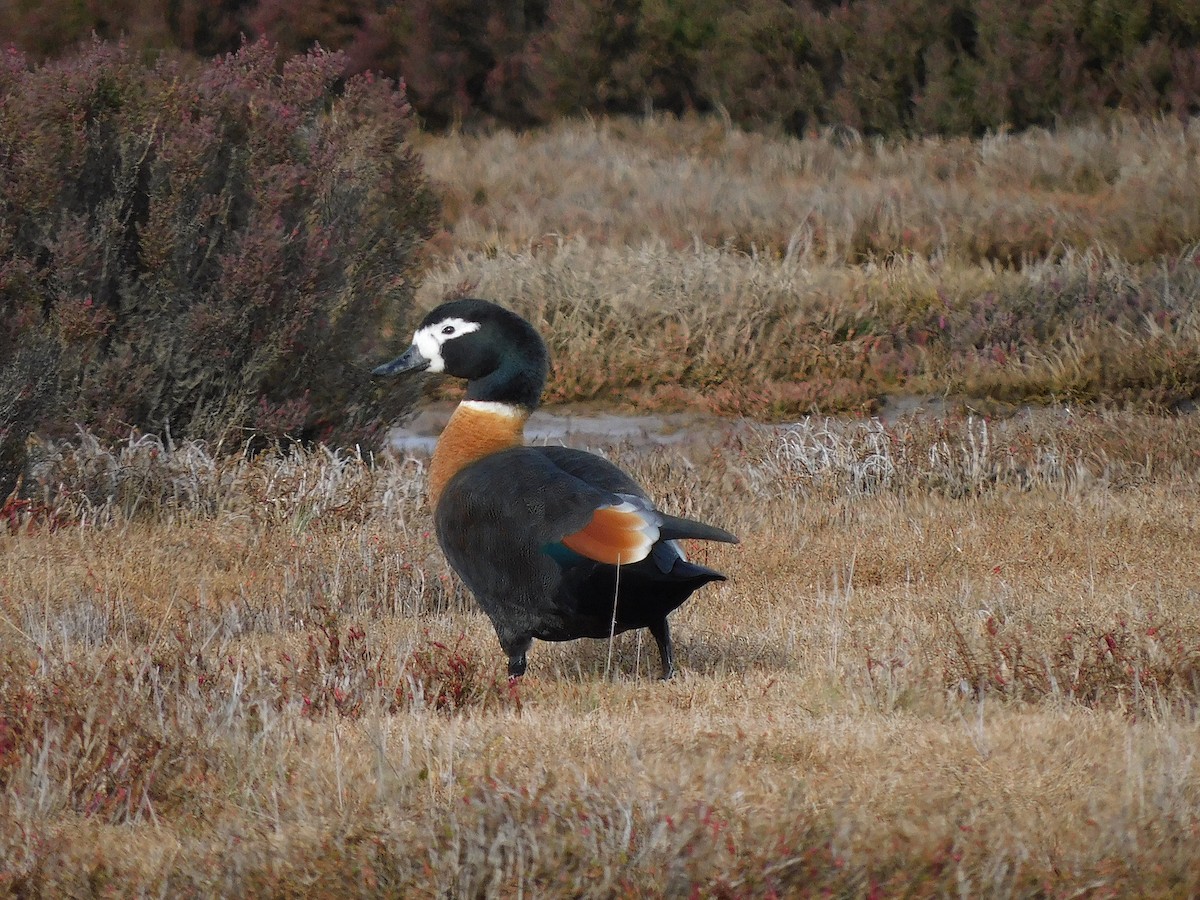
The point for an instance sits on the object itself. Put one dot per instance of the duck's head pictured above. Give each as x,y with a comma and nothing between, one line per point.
500,354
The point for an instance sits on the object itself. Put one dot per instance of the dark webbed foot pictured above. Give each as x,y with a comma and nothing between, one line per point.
666,650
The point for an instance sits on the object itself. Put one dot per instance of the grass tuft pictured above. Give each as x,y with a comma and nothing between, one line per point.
450,678
954,651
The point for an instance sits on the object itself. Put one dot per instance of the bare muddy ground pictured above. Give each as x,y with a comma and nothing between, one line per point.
579,426
590,426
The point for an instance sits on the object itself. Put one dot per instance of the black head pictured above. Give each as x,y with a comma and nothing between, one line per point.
500,354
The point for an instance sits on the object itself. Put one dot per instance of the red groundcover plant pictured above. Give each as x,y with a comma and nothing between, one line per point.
207,248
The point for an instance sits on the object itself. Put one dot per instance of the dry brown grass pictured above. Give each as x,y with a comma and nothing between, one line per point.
831,198
717,330
955,656
689,265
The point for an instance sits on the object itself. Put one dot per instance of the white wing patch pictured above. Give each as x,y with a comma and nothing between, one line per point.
429,340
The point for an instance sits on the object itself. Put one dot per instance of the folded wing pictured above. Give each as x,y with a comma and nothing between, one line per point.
618,533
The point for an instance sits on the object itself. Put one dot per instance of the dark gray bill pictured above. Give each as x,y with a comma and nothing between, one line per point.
409,361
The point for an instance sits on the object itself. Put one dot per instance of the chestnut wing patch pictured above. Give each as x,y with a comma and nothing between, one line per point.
618,533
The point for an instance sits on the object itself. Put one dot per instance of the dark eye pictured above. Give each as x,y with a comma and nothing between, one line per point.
449,329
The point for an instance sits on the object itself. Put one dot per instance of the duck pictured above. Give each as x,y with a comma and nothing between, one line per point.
555,543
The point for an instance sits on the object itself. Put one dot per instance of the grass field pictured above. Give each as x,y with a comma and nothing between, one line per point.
956,654
689,266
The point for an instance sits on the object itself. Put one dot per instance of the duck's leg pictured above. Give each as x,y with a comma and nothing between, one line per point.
517,665
516,647
666,650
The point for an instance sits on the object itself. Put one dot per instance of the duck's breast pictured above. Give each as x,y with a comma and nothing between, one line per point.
499,519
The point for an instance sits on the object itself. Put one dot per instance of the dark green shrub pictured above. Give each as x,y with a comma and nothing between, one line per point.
210,28
880,66
206,249
301,24
586,59
673,36
45,28
464,62
48,27
765,65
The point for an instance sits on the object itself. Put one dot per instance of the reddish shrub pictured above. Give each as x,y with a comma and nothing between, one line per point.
943,66
450,679
463,61
206,249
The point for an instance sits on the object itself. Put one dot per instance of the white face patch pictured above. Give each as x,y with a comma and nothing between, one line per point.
429,339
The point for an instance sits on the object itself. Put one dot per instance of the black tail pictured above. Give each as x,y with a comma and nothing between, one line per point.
673,527
695,573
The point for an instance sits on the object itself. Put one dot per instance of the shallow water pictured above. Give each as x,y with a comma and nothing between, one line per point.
577,427
590,427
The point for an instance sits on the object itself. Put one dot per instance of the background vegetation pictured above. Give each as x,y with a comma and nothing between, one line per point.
687,265
879,66
201,250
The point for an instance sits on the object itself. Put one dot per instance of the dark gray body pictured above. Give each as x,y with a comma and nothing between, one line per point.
496,520
501,519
